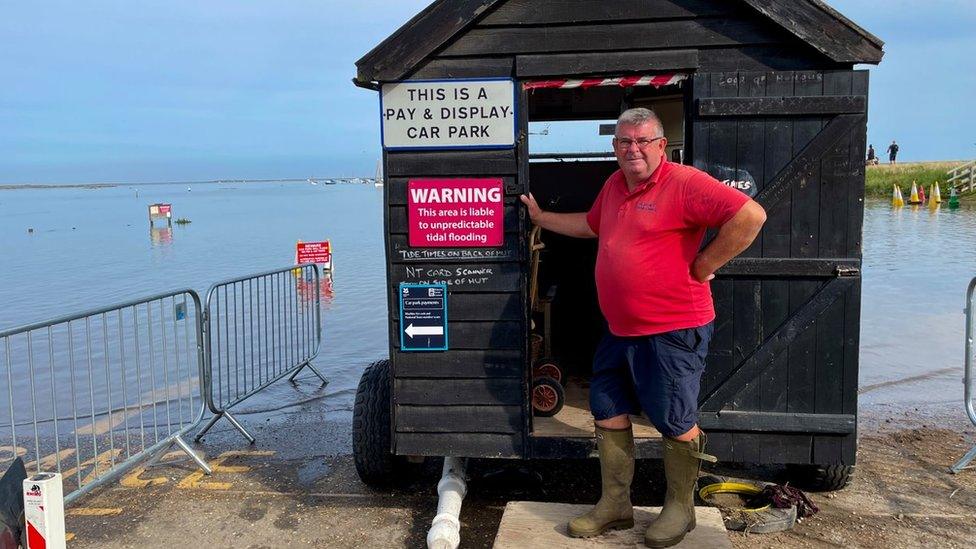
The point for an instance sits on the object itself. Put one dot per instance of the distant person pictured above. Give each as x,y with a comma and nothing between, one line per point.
892,152
872,156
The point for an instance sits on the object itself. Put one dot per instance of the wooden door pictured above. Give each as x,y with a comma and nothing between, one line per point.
781,381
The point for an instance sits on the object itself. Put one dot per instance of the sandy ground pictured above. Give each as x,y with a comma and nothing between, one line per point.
297,487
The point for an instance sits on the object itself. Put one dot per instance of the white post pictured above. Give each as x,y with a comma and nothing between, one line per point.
445,529
44,511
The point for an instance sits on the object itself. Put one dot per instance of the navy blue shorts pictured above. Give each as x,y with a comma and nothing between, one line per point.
659,374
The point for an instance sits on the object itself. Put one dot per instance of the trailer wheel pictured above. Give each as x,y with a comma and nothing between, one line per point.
820,478
547,367
548,396
372,446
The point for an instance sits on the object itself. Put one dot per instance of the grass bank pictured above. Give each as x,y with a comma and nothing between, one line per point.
879,179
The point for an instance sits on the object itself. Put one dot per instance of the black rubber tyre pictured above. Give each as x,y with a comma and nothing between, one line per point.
820,478
548,396
371,430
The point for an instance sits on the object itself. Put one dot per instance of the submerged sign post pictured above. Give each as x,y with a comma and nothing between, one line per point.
448,114
423,317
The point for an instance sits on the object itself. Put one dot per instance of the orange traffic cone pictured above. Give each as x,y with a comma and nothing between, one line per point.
897,200
921,194
913,199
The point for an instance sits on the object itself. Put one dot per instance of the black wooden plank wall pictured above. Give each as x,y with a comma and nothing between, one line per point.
469,400
819,216
472,400
716,35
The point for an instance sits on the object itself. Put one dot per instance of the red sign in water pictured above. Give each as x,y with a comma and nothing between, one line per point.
455,213
313,252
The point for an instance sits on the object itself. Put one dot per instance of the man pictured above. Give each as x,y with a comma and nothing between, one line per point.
892,152
652,284
872,157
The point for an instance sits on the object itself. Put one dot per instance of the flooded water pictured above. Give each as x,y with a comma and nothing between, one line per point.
93,247
917,266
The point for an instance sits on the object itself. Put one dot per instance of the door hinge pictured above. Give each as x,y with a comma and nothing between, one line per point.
848,271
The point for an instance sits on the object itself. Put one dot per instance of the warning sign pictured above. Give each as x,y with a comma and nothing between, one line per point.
426,114
314,252
458,213
423,317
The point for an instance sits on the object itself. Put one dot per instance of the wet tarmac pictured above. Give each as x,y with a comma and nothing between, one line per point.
297,487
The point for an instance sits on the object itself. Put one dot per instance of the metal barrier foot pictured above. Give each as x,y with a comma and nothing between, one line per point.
193,455
964,462
232,421
314,371
153,460
207,427
239,427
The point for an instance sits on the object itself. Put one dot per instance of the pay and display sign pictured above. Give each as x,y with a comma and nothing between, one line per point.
423,317
455,213
448,114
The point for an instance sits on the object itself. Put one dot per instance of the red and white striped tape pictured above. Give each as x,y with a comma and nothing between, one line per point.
657,80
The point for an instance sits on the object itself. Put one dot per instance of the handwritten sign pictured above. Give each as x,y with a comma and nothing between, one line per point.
448,114
455,213
465,254
738,179
451,276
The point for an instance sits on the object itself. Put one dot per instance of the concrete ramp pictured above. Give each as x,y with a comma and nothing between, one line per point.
528,524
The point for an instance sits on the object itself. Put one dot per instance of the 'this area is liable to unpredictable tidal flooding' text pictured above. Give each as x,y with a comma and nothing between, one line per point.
455,212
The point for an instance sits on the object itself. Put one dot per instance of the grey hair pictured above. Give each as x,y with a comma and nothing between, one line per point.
639,116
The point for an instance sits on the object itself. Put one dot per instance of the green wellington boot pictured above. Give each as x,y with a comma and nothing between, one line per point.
682,462
614,510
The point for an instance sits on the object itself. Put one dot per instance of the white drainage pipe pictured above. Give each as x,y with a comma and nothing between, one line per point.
445,530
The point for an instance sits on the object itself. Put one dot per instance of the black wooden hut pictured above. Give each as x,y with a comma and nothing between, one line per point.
769,102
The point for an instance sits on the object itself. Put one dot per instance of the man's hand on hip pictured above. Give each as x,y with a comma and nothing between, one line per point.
733,237
700,271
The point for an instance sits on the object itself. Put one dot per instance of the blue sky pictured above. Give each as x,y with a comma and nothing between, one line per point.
151,90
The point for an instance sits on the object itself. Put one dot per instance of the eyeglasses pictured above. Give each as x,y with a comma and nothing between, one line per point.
624,143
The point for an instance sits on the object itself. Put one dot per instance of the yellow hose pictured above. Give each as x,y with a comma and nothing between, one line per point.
739,488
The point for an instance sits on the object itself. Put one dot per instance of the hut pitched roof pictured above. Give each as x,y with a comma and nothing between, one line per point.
812,21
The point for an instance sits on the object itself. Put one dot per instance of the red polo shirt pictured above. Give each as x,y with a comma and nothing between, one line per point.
648,240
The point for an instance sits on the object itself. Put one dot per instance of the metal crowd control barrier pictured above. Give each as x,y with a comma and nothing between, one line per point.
259,329
968,379
92,394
